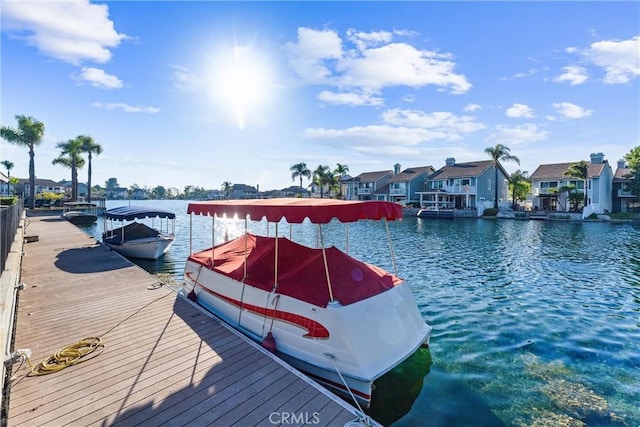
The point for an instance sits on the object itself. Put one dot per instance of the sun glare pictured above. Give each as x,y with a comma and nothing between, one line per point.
241,82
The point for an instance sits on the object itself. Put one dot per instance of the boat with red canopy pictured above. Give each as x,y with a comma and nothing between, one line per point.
340,320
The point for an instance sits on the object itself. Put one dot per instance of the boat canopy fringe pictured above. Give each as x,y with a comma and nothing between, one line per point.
318,211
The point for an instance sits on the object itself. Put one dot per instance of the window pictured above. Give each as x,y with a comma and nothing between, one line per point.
489,184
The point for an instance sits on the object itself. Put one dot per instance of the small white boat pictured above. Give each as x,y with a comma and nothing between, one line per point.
80,213
343,322
137,239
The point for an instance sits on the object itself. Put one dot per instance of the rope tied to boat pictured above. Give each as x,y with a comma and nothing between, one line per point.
362,417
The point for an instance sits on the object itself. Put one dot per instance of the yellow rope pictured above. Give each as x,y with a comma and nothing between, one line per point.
68,356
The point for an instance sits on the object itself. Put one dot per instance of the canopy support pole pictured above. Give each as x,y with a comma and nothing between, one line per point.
275,268
393,257
213,237
326,265
190,233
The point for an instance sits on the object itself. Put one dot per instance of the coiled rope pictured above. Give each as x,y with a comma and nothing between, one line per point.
68,356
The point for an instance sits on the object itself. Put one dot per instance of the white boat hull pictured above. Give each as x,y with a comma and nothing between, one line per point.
146,248
362,340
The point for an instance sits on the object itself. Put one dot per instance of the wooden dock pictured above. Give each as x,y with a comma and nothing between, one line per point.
165,361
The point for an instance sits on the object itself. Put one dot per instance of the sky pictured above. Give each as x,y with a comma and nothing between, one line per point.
203,92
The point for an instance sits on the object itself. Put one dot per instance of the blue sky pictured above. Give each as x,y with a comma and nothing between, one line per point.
198,93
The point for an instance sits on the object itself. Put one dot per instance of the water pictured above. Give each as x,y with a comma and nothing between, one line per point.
535,322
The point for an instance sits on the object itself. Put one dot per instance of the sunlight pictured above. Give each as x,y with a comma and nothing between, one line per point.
241,82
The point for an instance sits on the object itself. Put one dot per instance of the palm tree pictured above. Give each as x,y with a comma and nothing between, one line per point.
227,188
520,185
497,153
322,176
90,147
300,170
70,158
28,134
8,166
579,170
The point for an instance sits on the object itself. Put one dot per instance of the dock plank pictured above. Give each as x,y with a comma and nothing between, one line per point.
165,361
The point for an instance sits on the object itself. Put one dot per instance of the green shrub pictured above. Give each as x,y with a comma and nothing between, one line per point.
593,216
8,201
490,212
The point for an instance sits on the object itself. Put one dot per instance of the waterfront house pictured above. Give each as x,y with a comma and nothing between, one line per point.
549,180
243,191
468,185
622,199
116,193
82,188
41,186
366,185
404,185
6,189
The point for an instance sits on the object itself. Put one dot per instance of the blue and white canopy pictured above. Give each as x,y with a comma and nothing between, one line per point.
129,213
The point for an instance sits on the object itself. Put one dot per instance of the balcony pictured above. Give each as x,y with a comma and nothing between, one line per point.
397,192
461,189
625,193
364,191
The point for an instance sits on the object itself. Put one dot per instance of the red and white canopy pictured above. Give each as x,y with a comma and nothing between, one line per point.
319,211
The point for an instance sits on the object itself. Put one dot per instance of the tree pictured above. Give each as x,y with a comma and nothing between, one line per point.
300,170
111,184
497,153
28,134
70,158
8,166
322,176
633,160
159,192
579,170
227,188
90,147
520,186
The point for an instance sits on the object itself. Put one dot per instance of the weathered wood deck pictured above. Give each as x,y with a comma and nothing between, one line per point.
166,362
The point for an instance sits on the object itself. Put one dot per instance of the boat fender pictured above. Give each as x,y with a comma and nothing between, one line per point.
192,296
269,342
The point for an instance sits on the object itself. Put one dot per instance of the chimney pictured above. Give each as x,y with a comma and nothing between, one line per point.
597,158
622,164
450,161
396,169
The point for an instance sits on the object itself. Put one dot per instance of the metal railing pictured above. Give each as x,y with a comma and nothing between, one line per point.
9,221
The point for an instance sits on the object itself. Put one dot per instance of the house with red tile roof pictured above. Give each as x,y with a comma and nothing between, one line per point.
468,185
548,180
623,200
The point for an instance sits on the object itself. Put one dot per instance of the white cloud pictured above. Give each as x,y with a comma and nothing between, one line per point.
472,107
184,79
519,110
573,74
127,108
365,40
98,78
445,124
318,57
571,111
527,132
73,31
381,140
310,55
619,59
350,98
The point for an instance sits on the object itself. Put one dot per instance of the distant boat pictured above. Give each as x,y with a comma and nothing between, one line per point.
137,239
431,212
342,321
80,213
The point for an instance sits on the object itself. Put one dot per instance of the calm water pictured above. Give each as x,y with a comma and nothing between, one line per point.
535,323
